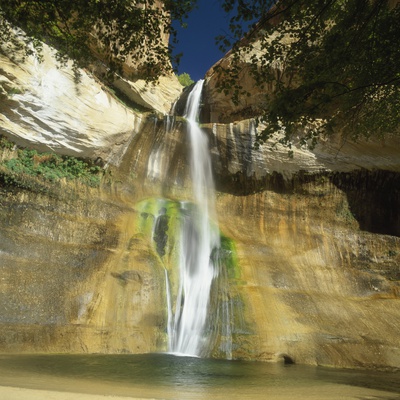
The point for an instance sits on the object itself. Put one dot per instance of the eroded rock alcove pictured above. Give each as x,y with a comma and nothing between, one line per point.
316,272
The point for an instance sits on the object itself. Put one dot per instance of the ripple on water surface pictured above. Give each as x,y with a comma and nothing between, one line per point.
166,376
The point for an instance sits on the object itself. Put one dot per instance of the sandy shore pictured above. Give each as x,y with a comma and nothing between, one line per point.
336,392
14,393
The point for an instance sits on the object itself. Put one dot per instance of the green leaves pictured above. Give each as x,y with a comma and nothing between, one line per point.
90,30
185,79
334,64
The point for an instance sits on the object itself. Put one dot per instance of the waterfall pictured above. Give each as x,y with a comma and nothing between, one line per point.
199,261
187,323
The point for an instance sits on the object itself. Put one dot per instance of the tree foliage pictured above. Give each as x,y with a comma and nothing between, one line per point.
334,65
113,30
185,79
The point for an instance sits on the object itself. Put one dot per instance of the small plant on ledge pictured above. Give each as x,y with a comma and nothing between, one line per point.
47,166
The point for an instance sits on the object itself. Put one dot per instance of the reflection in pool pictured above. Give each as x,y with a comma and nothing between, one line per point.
165,376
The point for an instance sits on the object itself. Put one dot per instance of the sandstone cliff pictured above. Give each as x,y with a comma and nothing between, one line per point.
47,107
316,274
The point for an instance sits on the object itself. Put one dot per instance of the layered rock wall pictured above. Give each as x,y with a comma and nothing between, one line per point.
75,276
316,277
314,282
315,287
43,106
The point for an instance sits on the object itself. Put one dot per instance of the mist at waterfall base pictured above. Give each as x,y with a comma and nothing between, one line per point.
163,376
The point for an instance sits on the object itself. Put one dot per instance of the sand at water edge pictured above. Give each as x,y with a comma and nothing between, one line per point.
15,393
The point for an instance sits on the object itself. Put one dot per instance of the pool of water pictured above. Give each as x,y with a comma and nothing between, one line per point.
164,376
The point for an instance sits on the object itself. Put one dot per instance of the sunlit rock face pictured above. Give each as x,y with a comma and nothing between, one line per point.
316,287
316,236
315,240
76,277
315,277
220,108
46,106
318,246
43,106
235,153
157,96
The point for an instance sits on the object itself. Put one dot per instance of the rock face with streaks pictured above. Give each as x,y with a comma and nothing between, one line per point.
315,240
70,283
45,106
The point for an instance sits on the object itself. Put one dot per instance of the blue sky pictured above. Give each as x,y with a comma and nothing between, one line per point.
197,41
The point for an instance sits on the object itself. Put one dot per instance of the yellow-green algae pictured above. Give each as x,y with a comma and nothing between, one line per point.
159,220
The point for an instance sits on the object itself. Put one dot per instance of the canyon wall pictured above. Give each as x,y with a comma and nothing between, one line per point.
74,277
314,276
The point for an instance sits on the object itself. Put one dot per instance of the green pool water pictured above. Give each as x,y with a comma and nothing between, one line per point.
164,376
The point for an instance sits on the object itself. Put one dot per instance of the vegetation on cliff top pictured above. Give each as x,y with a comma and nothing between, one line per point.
185,79
332,64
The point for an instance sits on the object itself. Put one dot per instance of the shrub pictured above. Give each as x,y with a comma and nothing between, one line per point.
185,79
52,167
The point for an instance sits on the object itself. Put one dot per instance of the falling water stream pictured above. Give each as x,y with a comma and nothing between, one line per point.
186,323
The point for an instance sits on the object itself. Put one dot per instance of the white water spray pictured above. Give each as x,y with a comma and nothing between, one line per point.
188,321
